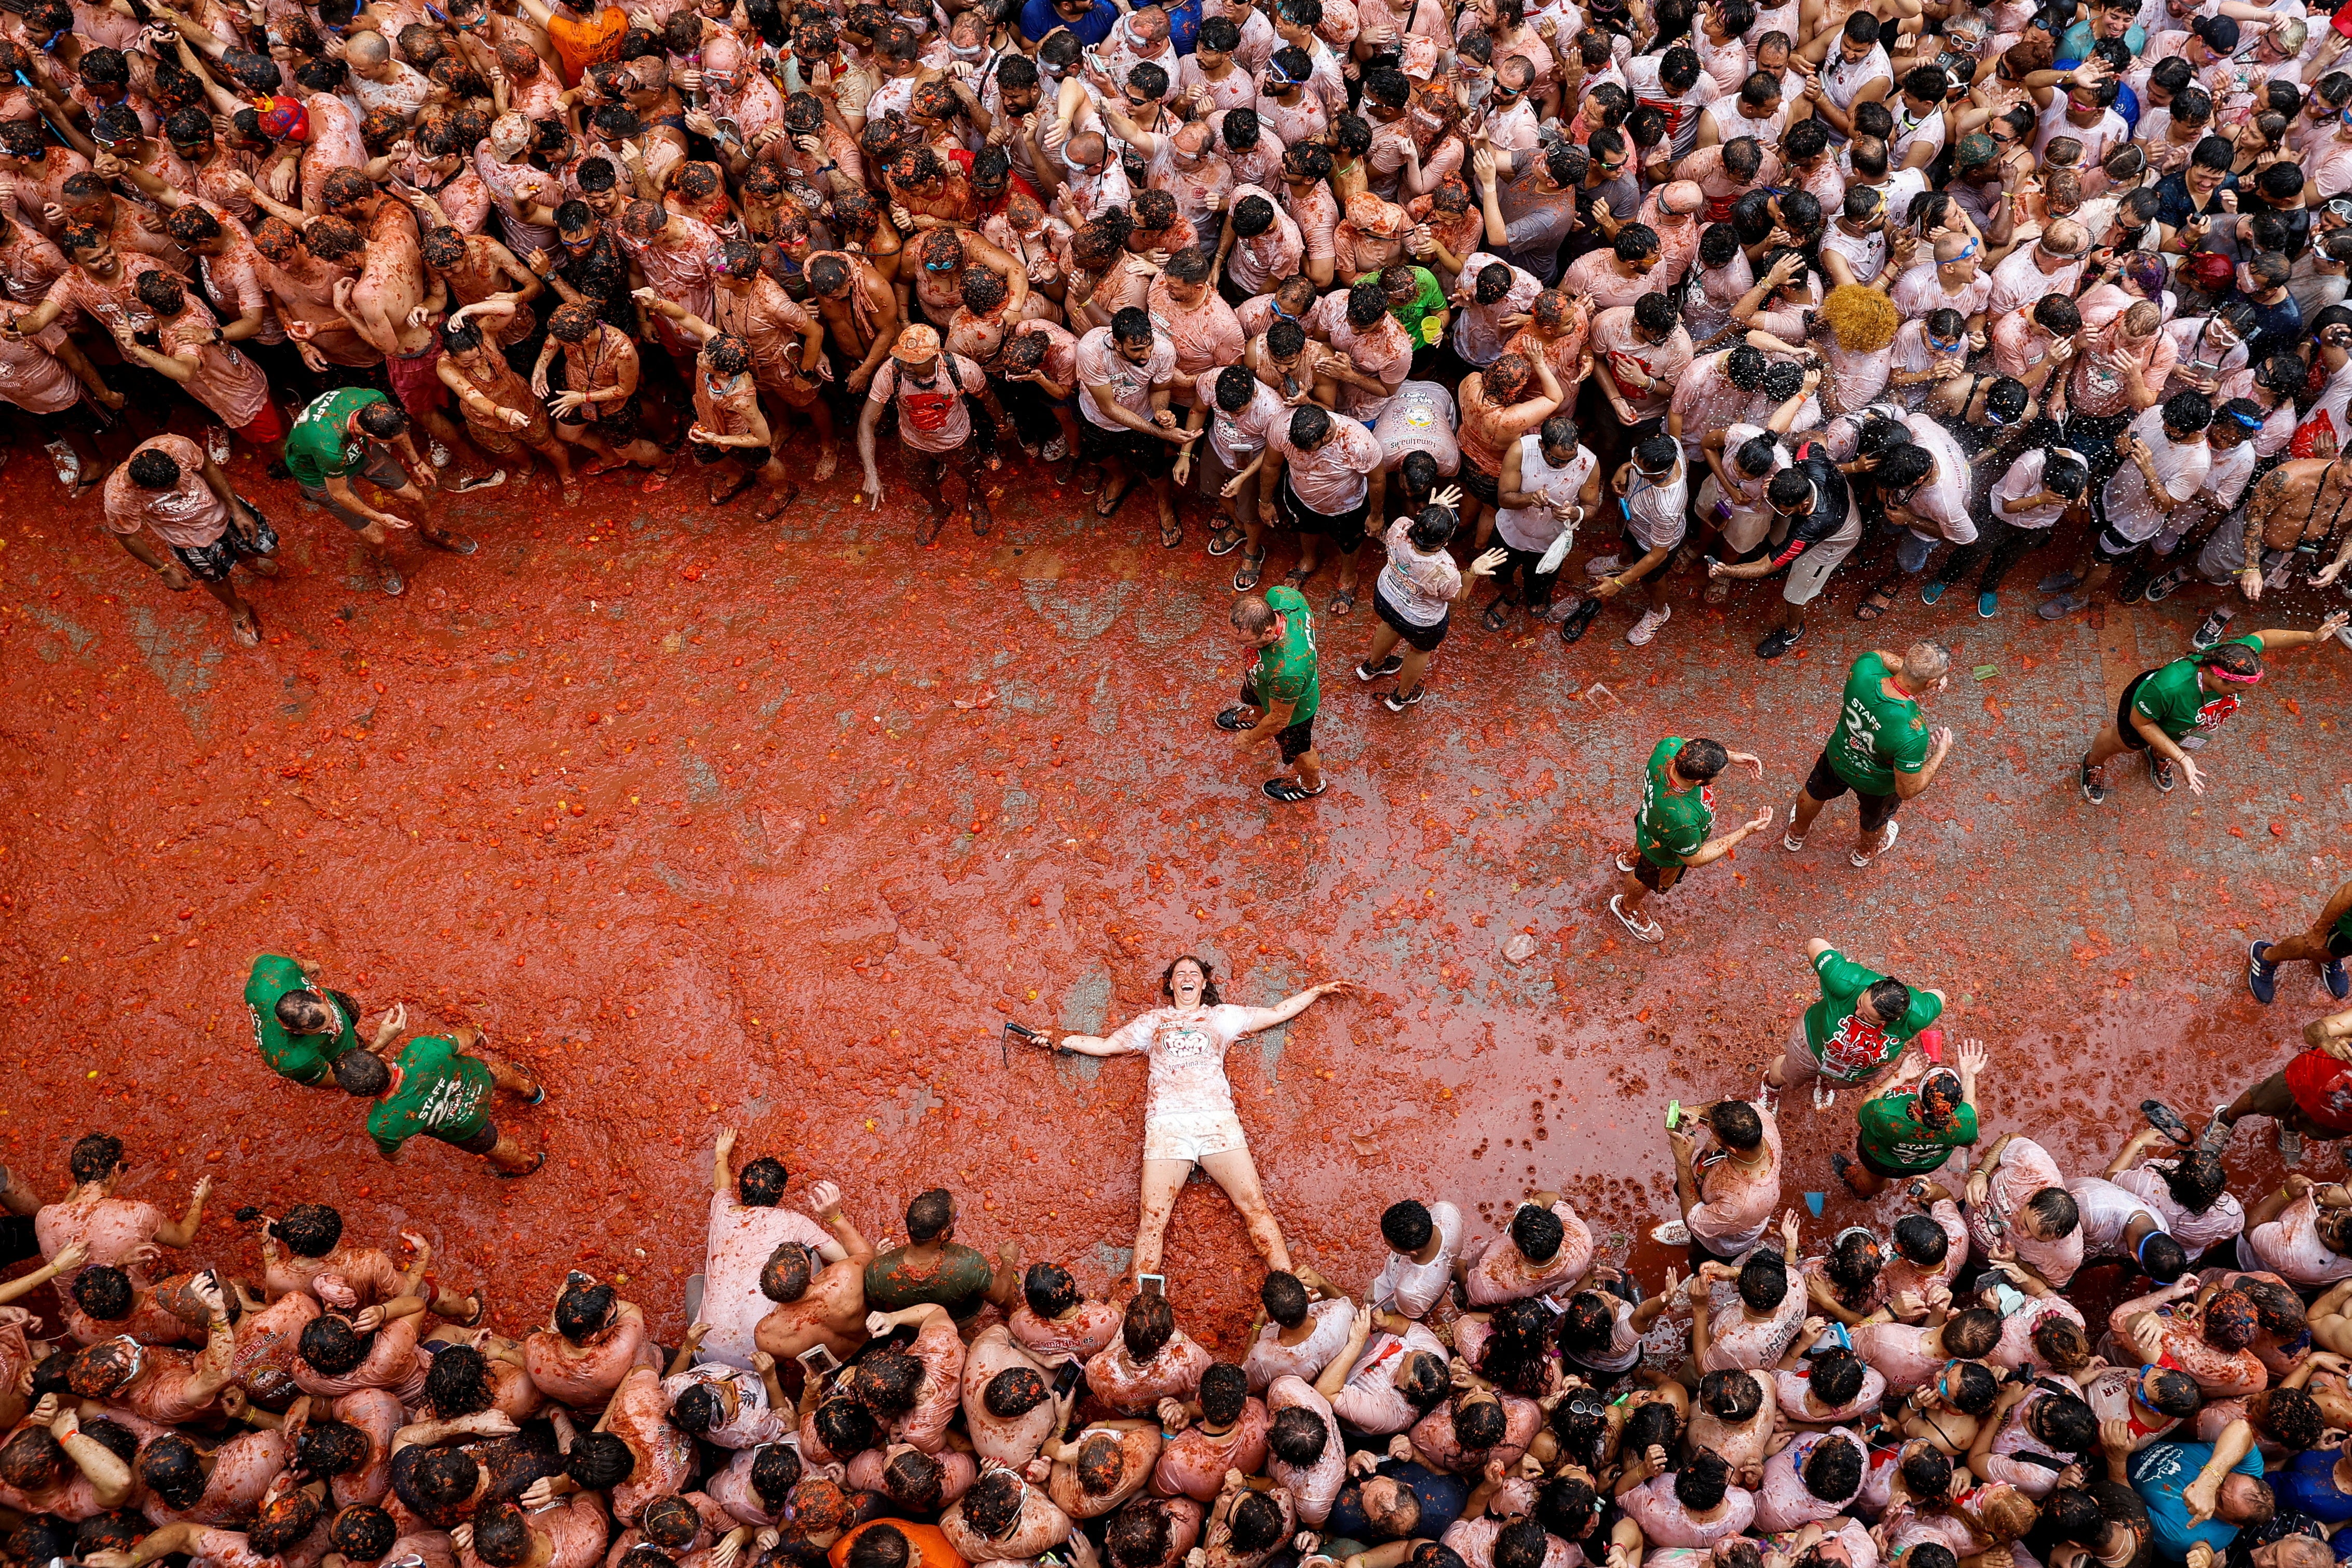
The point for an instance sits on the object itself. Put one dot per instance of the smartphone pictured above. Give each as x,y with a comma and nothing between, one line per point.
1151,1284
819,1361
1067,1377
1673,1114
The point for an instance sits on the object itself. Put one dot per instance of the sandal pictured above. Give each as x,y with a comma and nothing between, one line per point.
1296,577
1225,539
1880,601
602,466
1252,569
719,497
1110,500
1495,619
1342,601
1171,533
517,1175
778,500
248,631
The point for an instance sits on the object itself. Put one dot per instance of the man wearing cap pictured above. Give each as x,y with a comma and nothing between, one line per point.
931,391
525,195
2050,265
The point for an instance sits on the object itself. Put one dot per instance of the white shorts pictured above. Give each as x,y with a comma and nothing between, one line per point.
1192,1135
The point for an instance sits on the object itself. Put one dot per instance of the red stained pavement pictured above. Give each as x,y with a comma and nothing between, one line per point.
716,824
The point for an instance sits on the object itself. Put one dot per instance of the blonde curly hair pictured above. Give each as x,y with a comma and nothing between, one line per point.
1864,320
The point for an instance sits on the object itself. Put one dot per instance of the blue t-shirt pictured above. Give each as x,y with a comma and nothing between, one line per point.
2308,1486
2158,1472
1038,19
2074,43
1442,1498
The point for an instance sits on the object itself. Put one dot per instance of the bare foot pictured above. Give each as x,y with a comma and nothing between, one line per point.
826,461
570,492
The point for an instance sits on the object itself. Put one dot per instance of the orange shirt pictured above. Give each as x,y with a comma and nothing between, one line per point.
931,1547
579,44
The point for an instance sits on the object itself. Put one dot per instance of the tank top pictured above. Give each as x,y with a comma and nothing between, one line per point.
1533,527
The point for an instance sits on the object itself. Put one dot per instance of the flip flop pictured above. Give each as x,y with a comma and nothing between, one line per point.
1112,499
2165,1120
1171,533
721,497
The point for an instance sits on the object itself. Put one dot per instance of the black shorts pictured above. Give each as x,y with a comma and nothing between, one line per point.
212,562
1481,487
1345,529
1883,1173
2340,943
2129,732
1422,639
480,1142
1147,456
1293,740
2107,549
1823,784
620,427
1656,877
749,456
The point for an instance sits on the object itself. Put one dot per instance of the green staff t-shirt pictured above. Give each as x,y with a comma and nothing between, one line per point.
304,1058
1895,1138
1671,823
1286,667
2180,704
318,447
441,1092
1877,736
1846,1046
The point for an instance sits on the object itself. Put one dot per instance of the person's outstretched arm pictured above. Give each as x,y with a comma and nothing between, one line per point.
1283,1012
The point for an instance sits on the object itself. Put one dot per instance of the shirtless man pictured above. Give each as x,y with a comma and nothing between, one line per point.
1009,1406
1499,404
500,413
817,1306
860,310
2291,514
787,342
306,264
119,1232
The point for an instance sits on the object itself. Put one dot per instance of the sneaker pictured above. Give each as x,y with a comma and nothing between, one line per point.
1579,621
489,481
69,464
2262,975
1718,589
2094,785
1290,791
1779,641
2134,590
1892,832
440,455
1931,590
2164,587
1625,864
393,584
2060,581
1055,450
1988,604
1792,841
2065,604
2160,770
1647,626
1232,720
1397,701
216,443
2339,984
1605,565
2208,631
1824,1097
1671,1233
1642,930
1388,666
2290,1146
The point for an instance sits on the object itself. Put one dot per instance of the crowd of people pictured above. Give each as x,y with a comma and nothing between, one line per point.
2007,1367
1713,293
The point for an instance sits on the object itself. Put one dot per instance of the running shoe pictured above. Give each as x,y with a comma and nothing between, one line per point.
2290,1146
2063,606
2339,984
2164,587
1988,604
1642,930
1605,565
1646,628
1779,641
1290,791
1893,832
1388,666
1792,841
2095,785
1397,701
2262,975
2060,581
2208,631
2160,770
1233,721
1931,590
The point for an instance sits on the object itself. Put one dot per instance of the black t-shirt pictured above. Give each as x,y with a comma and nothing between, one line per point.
2279,1527
1831,499
511,1465
1441,1497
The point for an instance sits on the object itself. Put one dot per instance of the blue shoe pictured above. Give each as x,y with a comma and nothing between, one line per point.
1930,591
2262,978
2339,984
1988,604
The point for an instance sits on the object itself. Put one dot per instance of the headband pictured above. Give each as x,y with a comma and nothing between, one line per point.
2217,672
